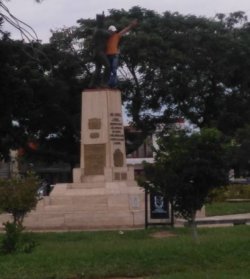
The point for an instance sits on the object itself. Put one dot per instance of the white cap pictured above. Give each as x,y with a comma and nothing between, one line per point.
112,28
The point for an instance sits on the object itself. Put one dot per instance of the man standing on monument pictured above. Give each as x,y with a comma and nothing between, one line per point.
100,39
112,50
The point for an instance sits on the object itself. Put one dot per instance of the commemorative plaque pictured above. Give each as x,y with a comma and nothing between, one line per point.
94,159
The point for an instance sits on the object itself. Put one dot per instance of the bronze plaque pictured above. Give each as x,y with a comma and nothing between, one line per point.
94,123
94,135
118,158
94,158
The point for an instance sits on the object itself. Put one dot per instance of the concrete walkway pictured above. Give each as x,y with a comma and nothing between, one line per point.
217,221
213,221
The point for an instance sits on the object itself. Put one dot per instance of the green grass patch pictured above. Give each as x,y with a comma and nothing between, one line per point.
233,191
222,253
227,208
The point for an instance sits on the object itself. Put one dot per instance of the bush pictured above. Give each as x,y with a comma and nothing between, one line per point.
18,196
11,237
14,240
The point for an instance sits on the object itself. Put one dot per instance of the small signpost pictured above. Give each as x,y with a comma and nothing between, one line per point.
158,209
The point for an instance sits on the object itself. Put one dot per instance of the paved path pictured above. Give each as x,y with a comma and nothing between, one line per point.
225,220
212,221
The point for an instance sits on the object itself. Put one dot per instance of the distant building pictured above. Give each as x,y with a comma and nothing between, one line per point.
61,172
10,168
144,153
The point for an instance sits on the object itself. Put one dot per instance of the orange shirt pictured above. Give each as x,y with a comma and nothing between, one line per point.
112,44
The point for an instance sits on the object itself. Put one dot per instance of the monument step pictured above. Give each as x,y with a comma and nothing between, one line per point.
93,178
82,189
86,185
77,200
58,220
116,202
75,208
82,220
72,209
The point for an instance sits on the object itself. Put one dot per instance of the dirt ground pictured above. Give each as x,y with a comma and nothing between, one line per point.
162,234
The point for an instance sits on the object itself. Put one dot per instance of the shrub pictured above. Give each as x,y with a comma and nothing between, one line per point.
11,237
18,196
14,240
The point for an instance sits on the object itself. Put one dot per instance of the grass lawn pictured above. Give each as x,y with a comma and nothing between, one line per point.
225,208
222,253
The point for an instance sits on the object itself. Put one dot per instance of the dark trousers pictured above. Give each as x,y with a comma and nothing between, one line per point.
113,61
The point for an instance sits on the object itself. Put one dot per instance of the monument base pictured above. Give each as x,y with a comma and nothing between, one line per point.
104,194
90,205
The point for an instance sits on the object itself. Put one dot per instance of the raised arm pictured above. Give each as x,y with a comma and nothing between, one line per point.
129,27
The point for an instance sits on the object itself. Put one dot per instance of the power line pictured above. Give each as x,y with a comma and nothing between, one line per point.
26,31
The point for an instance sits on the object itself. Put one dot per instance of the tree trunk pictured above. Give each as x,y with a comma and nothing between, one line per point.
193,226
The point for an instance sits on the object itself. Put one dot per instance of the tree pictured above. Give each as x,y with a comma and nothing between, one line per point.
187,168
171,66
40,100
13,93
18,196
174,65
41,89
54,120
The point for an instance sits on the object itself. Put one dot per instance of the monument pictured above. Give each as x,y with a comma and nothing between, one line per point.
104,193
103,156
103,174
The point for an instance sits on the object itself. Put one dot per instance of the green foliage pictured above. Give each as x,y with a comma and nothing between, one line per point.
187,168
180,64
175,65
14,240
40,93
11,238
18,196
227,208
171,65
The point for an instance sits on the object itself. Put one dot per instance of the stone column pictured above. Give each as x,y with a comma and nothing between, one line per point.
103,155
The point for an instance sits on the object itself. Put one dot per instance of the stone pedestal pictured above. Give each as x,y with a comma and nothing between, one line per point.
104,193
103,156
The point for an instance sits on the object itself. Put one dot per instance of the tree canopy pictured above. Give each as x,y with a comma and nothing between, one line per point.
40,99
187,168
171,66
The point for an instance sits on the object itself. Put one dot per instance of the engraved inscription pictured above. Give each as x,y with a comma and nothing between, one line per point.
117,176
94,123
116,127
118,158
94,158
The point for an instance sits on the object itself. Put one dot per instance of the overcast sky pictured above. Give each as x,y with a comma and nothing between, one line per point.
52,14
